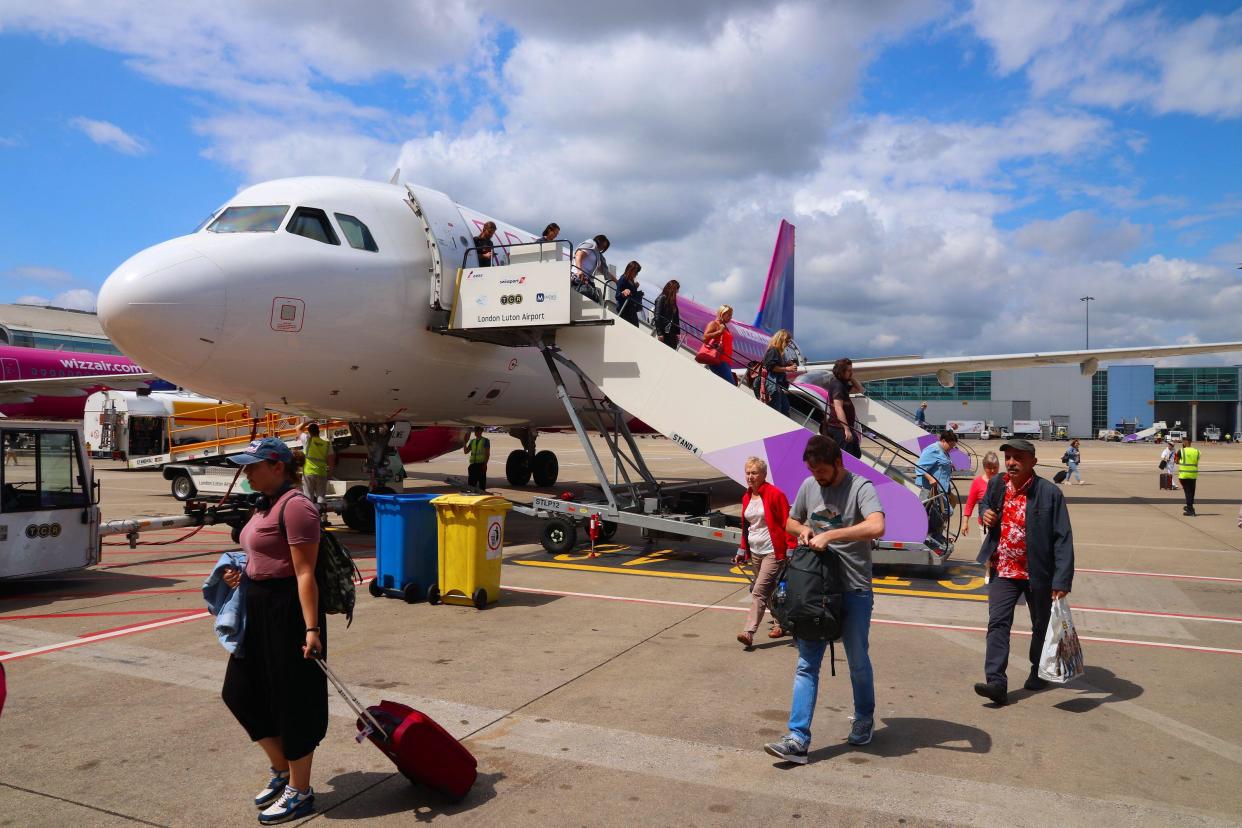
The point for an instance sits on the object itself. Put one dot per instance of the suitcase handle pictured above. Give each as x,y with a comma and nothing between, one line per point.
349,697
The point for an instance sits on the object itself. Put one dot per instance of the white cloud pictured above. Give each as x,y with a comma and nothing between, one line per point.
108,134
76,299
1081,235
1113,53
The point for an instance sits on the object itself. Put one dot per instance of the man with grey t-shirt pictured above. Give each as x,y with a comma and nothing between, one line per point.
835,508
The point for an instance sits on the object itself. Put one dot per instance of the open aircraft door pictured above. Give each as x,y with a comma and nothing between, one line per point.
448,238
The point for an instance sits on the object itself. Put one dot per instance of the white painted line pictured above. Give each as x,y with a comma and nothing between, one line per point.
91,639
884,621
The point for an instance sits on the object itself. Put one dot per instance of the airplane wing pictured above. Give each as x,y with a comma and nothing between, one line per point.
25,390
866,370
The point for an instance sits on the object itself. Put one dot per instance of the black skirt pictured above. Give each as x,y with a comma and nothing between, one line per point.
272,690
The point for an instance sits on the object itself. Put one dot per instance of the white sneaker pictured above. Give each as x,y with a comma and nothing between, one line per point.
275,786
293,804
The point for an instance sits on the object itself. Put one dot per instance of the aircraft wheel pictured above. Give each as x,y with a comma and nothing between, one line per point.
183,487
559,536
517,467
545,468
235,534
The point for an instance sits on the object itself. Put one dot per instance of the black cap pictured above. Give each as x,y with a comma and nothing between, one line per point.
1018,445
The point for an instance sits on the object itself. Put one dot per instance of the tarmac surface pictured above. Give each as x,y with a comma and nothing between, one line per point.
611,691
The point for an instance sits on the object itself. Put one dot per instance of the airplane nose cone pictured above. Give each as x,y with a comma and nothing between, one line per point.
165,309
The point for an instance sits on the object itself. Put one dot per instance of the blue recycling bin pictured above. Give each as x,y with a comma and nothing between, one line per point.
406,546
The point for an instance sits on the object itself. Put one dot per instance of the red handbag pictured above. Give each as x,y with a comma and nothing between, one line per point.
708,354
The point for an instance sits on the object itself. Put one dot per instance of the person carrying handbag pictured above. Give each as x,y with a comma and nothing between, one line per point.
765,512
778,370
667,317
718,346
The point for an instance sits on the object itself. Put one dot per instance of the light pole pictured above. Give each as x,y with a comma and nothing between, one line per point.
1087,301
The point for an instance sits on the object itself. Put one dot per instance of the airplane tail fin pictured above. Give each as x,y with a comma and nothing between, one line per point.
776,308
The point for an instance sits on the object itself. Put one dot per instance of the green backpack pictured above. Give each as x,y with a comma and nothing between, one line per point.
335,572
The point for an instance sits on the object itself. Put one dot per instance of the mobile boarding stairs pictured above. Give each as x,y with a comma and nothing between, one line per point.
606,370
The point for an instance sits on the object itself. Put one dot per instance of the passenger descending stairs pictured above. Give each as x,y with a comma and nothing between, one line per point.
720,423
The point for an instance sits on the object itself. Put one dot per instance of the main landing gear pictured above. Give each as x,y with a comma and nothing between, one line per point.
359,513
525,463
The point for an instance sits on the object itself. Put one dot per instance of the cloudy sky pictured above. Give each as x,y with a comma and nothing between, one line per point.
959,173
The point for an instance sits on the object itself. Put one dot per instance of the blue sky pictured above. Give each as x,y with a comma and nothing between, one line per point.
931,153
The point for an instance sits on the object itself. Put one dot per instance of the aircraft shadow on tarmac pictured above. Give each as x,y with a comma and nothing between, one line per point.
27,593
372,798
903,736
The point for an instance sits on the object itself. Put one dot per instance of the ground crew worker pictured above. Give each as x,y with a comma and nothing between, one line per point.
320,460
1188,473
479,449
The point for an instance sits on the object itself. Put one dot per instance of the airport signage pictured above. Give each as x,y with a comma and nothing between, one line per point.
966,426
514,296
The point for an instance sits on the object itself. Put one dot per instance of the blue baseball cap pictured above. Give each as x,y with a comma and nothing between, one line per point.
268,448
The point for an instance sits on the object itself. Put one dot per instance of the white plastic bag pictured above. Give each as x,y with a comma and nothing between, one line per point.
1061,659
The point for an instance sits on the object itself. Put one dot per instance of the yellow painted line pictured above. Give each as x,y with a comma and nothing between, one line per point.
619,571
688,576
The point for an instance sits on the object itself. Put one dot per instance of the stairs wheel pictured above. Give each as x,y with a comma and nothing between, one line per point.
559,536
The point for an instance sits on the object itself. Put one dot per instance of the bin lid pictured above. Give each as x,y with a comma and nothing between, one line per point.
401,498
477,501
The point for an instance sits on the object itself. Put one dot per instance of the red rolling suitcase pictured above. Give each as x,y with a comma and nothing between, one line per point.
422,750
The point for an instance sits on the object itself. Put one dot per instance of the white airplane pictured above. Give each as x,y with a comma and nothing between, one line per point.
328,297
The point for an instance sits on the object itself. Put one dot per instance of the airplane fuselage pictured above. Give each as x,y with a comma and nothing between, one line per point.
296,323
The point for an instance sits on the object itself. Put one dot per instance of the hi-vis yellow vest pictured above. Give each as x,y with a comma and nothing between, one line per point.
317,450
478,449
1188,464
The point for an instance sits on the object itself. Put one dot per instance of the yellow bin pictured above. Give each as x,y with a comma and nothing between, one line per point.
471,532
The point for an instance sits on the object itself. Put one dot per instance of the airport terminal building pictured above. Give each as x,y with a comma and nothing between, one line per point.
1198,397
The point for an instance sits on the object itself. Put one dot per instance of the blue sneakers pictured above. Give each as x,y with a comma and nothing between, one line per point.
860,733
293,804
275,786
788,749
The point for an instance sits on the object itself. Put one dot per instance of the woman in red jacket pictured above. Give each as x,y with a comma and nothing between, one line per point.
765,510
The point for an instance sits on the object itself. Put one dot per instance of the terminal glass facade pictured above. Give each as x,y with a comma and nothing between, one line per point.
1199,384
1099,402
61,342
968,385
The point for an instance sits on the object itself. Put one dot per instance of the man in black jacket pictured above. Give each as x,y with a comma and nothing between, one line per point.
1028,551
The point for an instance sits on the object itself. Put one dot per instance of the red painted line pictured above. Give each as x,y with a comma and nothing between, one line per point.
1168,575
89,614
138,593
882,621
139,626
79,642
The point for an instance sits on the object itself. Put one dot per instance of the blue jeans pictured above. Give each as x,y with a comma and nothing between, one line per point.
855,626
1073,471
723,370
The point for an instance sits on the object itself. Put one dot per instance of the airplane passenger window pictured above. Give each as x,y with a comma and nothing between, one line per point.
356,233
250,219
312,223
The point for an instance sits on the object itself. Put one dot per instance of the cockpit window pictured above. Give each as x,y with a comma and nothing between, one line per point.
314,224
356,233
249,219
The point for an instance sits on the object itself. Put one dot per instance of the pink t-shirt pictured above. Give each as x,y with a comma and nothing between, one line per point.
267,551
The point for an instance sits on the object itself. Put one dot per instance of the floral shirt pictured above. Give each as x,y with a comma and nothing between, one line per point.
1010,557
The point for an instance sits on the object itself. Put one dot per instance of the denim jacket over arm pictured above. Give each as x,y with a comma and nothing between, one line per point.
1049,538
226,604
